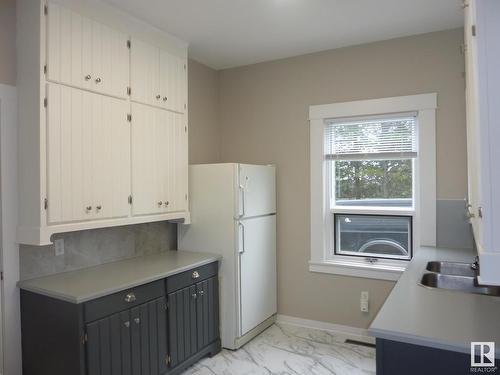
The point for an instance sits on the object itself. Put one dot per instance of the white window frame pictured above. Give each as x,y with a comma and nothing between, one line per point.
424,206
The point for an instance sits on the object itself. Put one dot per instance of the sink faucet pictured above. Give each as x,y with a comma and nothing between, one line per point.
475,264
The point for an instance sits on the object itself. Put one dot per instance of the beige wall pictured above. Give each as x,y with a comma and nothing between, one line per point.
263,113
8,42
204,130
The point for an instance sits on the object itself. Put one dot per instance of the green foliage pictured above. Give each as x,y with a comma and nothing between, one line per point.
373,179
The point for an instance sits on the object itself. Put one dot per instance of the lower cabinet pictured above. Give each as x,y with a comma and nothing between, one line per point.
130,342
152,329
193,319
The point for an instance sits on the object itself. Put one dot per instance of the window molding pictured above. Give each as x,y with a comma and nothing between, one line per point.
425,190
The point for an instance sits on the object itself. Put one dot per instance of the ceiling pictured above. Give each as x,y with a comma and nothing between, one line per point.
228,33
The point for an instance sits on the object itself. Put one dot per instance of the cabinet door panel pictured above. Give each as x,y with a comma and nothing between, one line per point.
144,72
110,157
68,156
113,67
182,324
68,47
207,315
177,163
145,175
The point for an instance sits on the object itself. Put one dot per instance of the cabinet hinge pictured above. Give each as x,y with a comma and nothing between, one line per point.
84,339
473,30
129,90
1,275
166,306
184,66
129,43
45,203
45,69
129,199
168,360
129,117
45,9
185,129
185,106
186,197
45,102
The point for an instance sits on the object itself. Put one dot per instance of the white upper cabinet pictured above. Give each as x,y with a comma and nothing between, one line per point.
158,77
88,156
159,161
101,144
482,47
86,54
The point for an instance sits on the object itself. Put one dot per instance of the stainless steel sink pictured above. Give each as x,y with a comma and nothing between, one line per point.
452,268
465,284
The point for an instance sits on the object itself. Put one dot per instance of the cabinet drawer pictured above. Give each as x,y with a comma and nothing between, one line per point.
104,306
190,277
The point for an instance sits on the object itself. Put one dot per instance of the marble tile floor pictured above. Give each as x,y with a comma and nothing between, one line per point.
286,349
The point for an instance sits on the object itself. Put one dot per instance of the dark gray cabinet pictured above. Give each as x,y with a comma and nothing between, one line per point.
152,329
193,319
132,342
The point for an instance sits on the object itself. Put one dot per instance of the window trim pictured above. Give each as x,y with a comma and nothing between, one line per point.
424,211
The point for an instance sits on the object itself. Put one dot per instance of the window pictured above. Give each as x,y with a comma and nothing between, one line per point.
370,165
371,205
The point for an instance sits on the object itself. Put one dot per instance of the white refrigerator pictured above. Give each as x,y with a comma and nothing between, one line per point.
233,213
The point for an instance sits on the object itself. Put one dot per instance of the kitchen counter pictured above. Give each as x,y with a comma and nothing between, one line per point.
437,318
90,283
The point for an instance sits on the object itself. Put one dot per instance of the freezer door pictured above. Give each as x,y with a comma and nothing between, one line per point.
256,190
257,264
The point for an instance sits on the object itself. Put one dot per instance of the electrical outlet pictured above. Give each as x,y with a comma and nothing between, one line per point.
363,303
59,246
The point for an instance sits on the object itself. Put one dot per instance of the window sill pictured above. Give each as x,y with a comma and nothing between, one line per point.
358,269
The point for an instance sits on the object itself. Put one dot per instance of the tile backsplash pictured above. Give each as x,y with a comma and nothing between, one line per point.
93,247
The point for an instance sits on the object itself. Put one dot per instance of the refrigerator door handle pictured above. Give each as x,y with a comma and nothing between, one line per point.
241,226
242,199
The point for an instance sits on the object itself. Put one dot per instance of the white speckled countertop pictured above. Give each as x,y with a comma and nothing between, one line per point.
94,282
437,318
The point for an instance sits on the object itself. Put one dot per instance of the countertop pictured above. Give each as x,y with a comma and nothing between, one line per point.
437,318
94,282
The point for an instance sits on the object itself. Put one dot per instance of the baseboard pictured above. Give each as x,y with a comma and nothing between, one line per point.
359,334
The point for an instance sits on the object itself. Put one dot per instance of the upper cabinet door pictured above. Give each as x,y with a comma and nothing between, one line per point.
69,163
110,158
69,41
146,174
86,54
144,73
110,61
173,82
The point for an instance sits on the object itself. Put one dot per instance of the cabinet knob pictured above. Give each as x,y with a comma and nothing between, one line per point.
126,324
195,275
98,80
88,77
137,320
160,203
88,208
166,203
194,295
201,292
165,98
158,97
130,297
99,207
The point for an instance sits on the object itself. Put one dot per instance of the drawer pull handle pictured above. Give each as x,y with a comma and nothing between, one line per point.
195,275
126,324
130,297
137,320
